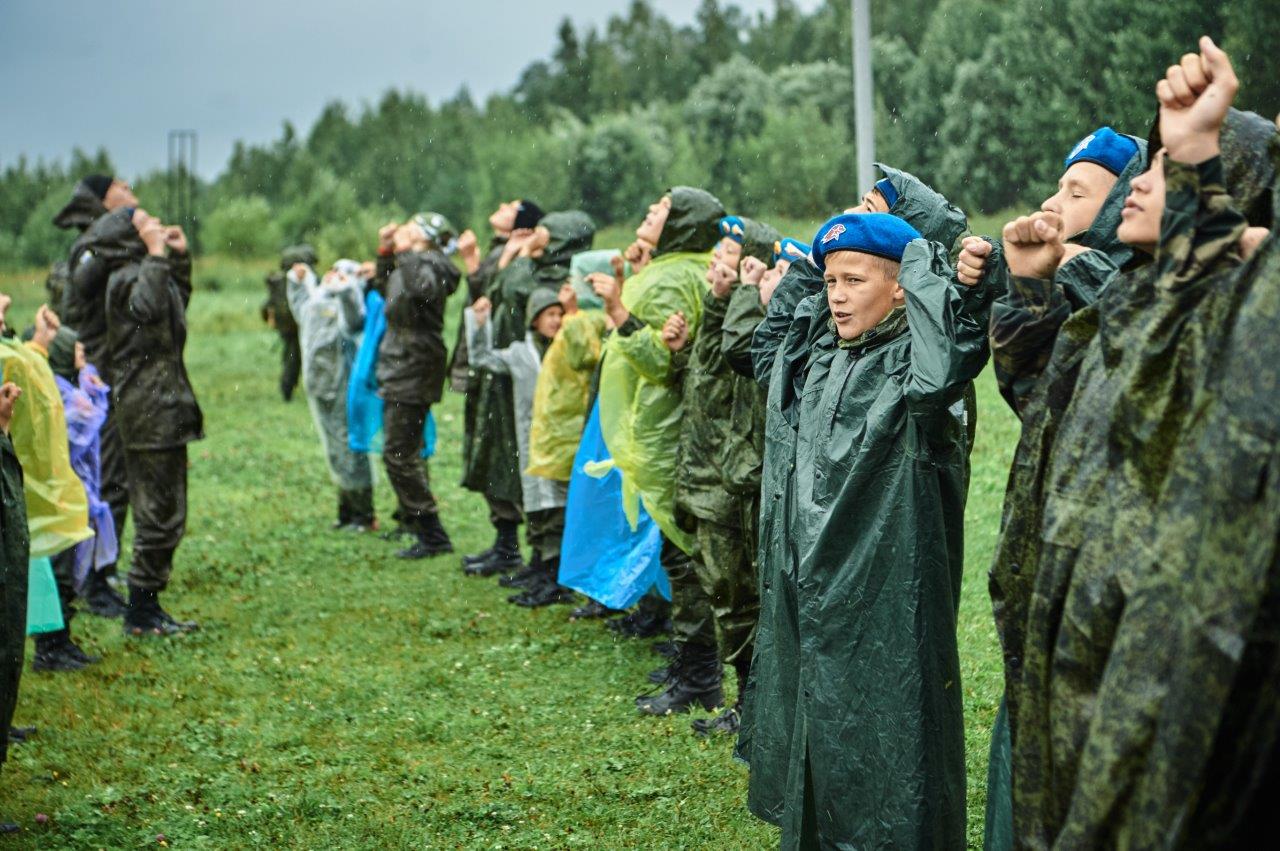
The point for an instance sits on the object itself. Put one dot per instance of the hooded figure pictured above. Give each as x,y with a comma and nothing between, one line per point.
544,499
1100,427
492,461
640,395
156,412
85,403
564,383
718,518
108,243
412,367
854,728
276,312
330,317
1209,602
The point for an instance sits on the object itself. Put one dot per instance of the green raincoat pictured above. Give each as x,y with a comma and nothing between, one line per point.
1067,573
491,454
641,401
856,735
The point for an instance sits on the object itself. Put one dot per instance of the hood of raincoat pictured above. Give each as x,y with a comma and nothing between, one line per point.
539,300
571,231
758,240
1246,162
84,208
62,354
589,263
301,253
114,238
693,224
929,212
1101,235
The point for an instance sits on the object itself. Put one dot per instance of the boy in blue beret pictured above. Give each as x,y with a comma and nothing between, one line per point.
854,727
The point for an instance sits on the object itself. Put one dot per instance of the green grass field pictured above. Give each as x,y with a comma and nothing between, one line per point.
338,697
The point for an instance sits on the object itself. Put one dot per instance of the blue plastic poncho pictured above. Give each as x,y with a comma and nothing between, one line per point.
601,555
364,407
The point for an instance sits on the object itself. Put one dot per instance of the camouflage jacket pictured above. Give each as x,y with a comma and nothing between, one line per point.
1102,475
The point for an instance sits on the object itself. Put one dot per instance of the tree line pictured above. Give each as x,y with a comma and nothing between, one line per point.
981,97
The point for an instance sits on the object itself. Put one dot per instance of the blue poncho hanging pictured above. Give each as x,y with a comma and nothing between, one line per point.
600,554
364,407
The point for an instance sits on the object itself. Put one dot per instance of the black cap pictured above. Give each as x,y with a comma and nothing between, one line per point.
98,184
528,216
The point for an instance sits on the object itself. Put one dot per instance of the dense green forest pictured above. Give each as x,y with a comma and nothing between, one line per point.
980,97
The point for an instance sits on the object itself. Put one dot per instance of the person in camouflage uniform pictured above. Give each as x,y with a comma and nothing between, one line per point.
1118,390
277,314
724,566
490,456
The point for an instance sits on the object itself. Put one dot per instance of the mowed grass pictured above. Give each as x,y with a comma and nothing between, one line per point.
337,697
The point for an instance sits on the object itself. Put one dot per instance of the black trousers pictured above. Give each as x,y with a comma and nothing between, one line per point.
402,424
115,478
290,363
158,494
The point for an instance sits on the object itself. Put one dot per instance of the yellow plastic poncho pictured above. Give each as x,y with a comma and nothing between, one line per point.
640,403
563,390
57,506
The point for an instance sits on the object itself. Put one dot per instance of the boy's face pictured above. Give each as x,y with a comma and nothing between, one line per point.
872,202
730,253
79,357
1080,194
547,323
861,290
655,220
119,194
503,220
1144,208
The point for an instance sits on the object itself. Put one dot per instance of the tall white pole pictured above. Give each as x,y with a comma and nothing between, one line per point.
864,110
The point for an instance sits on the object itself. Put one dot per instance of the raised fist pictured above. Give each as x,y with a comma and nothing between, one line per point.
973,260
1033,245
1194,97
675,333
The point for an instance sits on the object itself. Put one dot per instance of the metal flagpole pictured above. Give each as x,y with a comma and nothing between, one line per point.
864,116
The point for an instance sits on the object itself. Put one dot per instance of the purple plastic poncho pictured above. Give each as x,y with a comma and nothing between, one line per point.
86,407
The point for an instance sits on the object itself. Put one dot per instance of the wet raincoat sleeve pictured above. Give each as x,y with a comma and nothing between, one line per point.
422,279
583,334
742,317
480,339
300,292
148,300
801,281
1200,226
1024,325
947,324
560,398
351,308
180,271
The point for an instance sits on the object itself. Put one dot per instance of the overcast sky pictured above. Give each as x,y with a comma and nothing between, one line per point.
122,73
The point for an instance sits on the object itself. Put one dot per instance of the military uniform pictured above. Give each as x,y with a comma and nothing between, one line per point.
1077,598
276,309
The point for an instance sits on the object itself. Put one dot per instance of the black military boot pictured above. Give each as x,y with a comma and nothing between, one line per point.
502,557
729,721
658,676
100,598
548,590
432,540
360,513
145,617
695,678
641,623
54,653
525,578
344,514
592,609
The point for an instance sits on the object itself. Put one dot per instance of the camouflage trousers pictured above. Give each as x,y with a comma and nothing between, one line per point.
726,570
692,621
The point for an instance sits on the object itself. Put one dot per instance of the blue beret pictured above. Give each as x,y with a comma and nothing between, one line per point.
886,188
789,249
1104,147
734,228
880,234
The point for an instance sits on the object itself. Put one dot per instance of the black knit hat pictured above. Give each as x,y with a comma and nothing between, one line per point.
528,216
98,184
